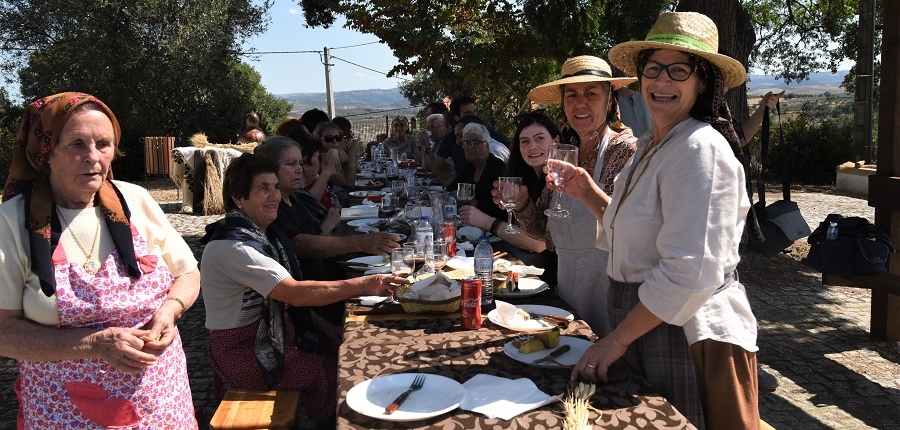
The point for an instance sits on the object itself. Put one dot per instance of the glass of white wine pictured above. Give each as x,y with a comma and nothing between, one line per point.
557,153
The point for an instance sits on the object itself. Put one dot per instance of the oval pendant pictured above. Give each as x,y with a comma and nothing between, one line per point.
92,266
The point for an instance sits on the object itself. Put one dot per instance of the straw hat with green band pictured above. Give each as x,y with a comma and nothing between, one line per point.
584,68
689,32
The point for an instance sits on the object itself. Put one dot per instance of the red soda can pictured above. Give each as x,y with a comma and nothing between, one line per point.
449,236
470,303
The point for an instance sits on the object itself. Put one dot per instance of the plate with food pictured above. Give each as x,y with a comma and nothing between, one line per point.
519,318
437,396
369,183
527,287
363,222
370,262
533,350
367,193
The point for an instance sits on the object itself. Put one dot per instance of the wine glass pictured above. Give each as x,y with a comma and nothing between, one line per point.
555,154
401,262
509,194
465,193
439,248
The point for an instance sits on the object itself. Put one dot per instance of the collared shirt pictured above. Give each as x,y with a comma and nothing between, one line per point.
678,224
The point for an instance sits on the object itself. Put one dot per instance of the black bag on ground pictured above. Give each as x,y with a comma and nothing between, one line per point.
860,247
780,223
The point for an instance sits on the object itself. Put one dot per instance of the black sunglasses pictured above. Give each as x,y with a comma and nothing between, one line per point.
332,138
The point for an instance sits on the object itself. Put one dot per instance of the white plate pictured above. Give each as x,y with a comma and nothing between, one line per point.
462,263
568,359
439,395
370,259
532,326
366,193
369,183
527,288
364,221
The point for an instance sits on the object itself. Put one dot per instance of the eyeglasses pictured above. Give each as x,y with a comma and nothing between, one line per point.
434,126
332,138
472,143
676,71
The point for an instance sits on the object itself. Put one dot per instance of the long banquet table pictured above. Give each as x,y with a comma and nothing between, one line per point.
385,341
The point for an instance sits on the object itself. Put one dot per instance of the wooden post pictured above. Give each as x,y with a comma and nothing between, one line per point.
884,185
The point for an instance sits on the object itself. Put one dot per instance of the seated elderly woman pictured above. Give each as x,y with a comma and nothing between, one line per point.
333,140
262,333
482,168
93,277
303,218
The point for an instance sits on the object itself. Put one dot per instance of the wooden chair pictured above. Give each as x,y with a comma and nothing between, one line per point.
256,409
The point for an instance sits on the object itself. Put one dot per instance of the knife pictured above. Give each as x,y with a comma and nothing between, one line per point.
553,355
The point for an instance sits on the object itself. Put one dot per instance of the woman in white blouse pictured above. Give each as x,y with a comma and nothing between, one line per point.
673,227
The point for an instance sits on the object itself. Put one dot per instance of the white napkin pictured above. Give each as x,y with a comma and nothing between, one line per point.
503,398
465,246
522,270
357,212
371,300
510,317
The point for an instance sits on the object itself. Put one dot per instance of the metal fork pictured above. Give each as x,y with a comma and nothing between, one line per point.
417,383
548,319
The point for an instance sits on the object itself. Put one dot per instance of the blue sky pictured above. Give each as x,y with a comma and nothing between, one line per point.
305,73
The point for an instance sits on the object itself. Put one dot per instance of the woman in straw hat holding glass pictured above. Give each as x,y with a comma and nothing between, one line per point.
673,228
604,145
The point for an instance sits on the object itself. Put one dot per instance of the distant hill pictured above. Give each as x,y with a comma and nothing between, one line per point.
818,83
377,100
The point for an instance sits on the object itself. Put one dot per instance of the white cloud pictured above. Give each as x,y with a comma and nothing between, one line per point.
294,11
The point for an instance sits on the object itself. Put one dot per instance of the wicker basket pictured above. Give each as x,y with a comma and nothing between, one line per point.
413,306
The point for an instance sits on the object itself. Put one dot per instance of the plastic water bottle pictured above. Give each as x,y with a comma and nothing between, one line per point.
424,232
484,270
450,208
832,233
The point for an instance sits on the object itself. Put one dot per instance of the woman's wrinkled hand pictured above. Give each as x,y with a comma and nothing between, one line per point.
162,328
378,243
331,221
382,284
594,364
473,216
123,348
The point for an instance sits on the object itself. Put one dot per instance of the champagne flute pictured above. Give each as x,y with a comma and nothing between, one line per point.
509,194
555,154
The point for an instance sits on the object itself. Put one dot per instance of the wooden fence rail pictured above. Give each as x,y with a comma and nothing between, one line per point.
158,155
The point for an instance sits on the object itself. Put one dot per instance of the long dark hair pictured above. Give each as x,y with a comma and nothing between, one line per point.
517,165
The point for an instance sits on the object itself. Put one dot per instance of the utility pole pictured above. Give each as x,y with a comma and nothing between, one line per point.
329,94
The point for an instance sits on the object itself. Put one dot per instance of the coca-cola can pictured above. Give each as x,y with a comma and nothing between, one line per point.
470,303
449,233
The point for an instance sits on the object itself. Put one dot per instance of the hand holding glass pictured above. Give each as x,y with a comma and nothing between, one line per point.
509,194
401,262
556,153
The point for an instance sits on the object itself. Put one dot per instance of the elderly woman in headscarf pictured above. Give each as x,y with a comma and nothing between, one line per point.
673,229
263,333
585,90
93,279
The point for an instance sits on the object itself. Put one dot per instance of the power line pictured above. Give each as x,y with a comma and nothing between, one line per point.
354,46
364,67
278,52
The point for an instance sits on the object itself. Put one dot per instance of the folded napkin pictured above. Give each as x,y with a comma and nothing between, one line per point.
522,270
509,316
359,212
503,398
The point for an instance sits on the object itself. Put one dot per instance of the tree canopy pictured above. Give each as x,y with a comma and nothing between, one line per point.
165,67
497,50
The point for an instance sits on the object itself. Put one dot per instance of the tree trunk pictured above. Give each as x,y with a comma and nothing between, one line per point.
736,39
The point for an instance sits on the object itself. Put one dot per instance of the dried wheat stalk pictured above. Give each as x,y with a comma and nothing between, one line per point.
577,406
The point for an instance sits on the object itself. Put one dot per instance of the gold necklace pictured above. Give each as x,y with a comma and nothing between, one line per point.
91,265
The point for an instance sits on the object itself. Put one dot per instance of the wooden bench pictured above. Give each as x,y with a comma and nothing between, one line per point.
885,317
256,409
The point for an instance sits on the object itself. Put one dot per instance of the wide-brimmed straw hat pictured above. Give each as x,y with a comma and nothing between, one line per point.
584,68
689,32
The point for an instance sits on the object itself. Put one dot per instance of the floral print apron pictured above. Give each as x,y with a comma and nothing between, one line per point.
91,393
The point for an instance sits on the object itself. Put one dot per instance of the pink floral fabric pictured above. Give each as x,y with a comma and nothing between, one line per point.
91,393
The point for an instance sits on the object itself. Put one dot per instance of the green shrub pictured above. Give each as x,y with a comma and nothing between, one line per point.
815,148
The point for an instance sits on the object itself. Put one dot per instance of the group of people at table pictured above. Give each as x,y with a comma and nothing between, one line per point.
95,276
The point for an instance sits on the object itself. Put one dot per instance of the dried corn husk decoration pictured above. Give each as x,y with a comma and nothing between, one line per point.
577,406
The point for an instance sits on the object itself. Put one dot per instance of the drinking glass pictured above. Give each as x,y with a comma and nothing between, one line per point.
555,154
401,262
398,188
439,247
509,194
412,212
415,256
465,193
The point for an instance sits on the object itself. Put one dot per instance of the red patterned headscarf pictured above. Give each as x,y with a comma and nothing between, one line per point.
29,175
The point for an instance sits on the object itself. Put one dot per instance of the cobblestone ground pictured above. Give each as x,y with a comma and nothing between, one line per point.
813,338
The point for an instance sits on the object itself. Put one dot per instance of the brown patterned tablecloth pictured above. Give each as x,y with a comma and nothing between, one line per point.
376,344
